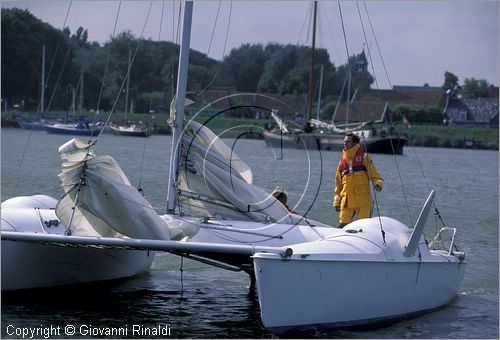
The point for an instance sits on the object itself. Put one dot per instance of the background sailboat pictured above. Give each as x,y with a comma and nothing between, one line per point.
319,135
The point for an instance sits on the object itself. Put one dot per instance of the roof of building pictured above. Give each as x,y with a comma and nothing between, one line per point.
370,105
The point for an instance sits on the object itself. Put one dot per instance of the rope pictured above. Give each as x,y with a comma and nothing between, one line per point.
224,49
161,18
181,269
305,22
107,60
54,59
362,135
16,180
377,44
345,37
128,72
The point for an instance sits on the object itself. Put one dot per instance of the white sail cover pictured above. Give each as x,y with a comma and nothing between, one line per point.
106,204
213,181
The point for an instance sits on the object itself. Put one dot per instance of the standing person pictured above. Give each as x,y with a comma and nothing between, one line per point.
352,194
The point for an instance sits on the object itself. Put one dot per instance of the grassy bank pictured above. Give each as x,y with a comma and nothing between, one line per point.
451,137
420,135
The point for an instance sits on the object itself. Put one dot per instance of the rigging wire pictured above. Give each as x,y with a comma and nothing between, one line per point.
128,71
145,144
25,150
385,121
52,64
224,49
309,22
58,78
213,29
161,19
409,138
332,35
377,44
101,91
304,23
175,39
345,37
377,86
359,118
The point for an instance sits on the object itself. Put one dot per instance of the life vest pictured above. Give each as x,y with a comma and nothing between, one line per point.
356,165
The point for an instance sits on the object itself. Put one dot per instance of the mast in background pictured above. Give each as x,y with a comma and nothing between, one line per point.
128,84
42,84
311,71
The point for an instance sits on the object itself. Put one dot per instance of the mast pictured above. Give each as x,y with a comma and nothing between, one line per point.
311,71
348,99
179,105
80,99
318,109
42,85
128,85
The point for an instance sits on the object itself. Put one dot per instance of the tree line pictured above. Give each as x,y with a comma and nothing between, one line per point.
72,62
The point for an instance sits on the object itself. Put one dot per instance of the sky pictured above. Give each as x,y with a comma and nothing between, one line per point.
406,42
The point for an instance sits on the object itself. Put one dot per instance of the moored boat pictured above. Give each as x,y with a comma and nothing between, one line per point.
30,124
373,141
79,129
132,129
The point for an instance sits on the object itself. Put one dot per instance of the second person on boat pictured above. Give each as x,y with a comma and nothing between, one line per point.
352,195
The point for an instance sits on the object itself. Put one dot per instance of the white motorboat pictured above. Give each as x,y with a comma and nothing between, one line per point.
131,129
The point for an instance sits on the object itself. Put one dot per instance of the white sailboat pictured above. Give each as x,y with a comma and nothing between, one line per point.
306,273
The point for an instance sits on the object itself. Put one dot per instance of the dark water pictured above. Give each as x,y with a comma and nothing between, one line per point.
205,302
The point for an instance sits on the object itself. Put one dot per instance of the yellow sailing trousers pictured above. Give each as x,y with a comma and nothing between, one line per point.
347,214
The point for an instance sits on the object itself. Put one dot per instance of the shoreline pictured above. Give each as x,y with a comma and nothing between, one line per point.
420,135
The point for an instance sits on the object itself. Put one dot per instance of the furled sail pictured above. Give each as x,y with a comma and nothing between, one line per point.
104,202
214,181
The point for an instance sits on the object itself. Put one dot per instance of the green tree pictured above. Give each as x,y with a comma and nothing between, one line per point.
244,66
473,88
23,37
417,114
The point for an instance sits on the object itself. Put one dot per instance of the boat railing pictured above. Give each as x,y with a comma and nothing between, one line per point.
445,240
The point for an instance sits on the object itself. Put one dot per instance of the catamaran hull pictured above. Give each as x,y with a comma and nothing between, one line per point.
31,260
298,294
27,265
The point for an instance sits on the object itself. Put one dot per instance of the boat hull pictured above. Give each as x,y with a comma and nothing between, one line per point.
71,131
392,144
31,125
389,144
29,262
27,265
308,141
296,295
138,132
